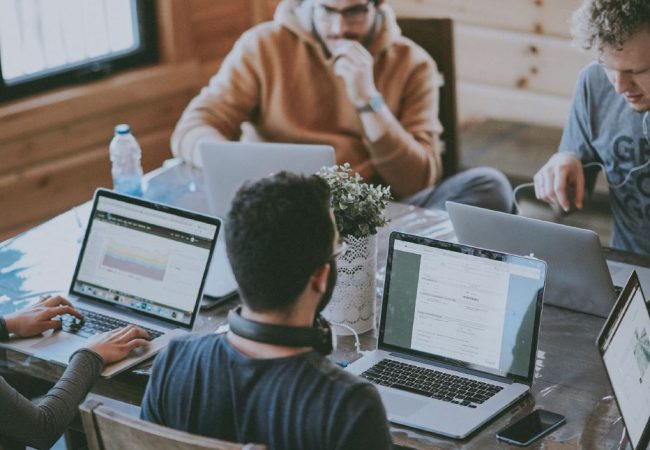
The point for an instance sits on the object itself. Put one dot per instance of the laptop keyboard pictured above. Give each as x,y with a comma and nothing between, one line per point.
95,323
430,383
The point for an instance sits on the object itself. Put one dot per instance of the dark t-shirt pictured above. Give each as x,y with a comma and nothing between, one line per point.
603,128
203,385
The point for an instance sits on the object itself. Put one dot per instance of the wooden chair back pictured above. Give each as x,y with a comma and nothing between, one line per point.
436,36
108,429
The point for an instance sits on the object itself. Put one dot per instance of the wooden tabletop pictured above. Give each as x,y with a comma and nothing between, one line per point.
569,375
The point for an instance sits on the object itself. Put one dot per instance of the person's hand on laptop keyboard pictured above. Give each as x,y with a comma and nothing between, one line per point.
115,345
40,317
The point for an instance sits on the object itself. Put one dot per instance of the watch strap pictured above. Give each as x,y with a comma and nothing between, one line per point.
375,104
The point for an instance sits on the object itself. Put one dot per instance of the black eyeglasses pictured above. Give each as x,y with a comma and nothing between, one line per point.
353,15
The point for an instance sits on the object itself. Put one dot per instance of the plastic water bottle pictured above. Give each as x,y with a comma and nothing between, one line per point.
125,156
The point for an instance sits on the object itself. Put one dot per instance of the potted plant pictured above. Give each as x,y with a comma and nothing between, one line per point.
359,210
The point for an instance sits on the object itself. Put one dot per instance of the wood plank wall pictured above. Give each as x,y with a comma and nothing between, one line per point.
514,58
514,62
54,146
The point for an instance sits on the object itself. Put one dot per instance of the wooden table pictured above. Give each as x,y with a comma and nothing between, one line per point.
569,376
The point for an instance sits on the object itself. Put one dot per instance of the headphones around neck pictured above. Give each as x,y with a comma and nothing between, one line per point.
319,336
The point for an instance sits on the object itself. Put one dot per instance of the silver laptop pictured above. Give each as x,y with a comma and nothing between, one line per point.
458,334
141,263
624,344
227,165
579,277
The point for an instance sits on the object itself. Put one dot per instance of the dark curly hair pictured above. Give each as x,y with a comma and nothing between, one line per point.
279,231
600,23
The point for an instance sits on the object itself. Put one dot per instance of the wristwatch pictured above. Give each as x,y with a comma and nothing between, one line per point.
375,104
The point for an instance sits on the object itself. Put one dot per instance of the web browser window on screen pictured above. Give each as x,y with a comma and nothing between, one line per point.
473,309
145,259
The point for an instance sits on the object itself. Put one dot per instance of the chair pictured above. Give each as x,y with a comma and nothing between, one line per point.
436,36
108,429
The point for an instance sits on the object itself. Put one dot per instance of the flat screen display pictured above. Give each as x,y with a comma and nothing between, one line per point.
145,259
464,305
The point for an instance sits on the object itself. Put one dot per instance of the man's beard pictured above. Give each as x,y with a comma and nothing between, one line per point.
329,288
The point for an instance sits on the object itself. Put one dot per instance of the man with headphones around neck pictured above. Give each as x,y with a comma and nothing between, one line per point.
608,124
268,380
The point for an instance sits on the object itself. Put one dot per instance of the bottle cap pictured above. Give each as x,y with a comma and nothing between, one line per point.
122,128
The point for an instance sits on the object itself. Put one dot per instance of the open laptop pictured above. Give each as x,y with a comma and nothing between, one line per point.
141,263
579,277
458,334
227,165
624,344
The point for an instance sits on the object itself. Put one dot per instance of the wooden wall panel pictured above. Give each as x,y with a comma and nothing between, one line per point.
54,146
55,186
515,49
535,63
480,101
547,17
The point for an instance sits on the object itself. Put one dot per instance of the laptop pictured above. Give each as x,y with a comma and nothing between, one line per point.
140,263
624,344
227,165
458,334
579,276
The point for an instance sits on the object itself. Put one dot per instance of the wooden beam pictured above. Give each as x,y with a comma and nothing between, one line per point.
547,17
23,118
480,101
539,64
43,191
88,132
175,31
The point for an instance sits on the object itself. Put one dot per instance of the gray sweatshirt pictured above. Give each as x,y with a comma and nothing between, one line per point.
40,424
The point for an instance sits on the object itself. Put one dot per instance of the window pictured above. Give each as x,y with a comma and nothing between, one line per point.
49,43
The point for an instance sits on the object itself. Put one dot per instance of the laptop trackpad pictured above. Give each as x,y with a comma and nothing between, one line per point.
58,346
402,405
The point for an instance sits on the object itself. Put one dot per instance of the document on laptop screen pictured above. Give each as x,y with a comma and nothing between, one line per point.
627,358
145,259
468,308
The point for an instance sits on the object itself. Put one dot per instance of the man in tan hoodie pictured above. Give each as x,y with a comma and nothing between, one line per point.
339,72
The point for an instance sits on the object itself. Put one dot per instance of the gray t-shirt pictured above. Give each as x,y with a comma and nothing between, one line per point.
203,385
603,128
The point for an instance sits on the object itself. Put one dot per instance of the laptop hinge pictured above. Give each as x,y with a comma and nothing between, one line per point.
476,373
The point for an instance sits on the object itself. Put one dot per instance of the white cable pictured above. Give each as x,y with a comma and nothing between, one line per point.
516,190
357,343
644,126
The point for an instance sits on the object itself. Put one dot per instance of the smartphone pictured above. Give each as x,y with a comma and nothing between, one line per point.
535,425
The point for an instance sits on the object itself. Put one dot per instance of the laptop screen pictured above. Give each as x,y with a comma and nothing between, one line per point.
625,347
462,305
146,257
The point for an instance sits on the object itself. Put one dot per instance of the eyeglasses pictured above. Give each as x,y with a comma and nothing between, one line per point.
353,15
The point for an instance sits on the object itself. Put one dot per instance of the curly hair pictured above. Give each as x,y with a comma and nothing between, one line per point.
600,23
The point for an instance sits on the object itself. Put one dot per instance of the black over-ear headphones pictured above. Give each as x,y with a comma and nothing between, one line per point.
319,337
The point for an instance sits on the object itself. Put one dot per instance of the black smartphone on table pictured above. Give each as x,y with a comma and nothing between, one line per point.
535,425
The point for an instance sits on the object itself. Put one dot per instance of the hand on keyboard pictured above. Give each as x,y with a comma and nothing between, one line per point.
116,345
40,317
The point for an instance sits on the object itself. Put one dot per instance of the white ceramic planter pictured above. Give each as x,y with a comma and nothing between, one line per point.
353,300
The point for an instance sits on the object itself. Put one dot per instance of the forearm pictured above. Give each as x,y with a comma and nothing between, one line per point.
40,425
186,138
407,162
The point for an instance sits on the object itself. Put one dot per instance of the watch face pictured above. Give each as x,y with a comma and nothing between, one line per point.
376,103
